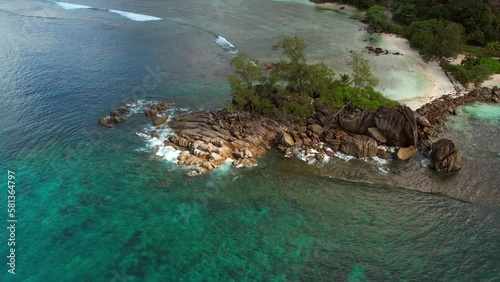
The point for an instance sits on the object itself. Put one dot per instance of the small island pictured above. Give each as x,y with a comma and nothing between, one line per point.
307,110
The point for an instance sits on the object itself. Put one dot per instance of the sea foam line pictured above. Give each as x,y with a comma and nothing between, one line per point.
68,6
130,16
135,17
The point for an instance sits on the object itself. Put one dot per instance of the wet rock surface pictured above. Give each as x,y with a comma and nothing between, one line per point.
208,139
115,117
430,119
445,156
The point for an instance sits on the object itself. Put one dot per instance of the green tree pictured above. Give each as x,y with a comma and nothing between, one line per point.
436,39
493,49
318,79
294,70
362,76
475,70
247,70
345,80
375,15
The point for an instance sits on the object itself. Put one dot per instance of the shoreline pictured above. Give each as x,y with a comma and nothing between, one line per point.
437,82
494,81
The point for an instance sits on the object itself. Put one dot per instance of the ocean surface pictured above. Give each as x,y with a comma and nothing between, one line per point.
99,204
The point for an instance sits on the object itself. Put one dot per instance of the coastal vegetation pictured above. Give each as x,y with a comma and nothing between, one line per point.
479,18
473,69
443,30
292,88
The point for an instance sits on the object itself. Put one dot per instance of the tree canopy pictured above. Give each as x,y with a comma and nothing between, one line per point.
480,18
362,76
436,39
375,15
292,88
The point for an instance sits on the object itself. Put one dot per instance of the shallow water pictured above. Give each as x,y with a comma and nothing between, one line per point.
99,205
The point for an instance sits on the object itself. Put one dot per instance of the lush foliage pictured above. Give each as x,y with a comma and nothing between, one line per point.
362,76
480,18
292,88
436,39
493,49
473,70
375,16
492,64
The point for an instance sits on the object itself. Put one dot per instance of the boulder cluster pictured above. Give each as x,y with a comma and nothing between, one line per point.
436,111
208,139
211,138
115,117
379,51
156,113
443,153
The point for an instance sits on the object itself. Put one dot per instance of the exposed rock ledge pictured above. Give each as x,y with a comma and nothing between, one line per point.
208,139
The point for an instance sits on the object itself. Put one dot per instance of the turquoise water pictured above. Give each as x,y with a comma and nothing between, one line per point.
98,205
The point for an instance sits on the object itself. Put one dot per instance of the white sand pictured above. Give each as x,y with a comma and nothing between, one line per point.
437,82
494,81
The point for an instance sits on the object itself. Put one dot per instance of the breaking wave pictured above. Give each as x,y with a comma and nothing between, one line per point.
130,16
226,45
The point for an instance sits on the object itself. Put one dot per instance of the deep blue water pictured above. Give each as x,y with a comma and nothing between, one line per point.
96,204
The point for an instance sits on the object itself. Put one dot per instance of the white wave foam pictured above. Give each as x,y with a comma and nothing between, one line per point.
68,6
135,17
226,45
169,153
130,16
140,134
343,156
380,163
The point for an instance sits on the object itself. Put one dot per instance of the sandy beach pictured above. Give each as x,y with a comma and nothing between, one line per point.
494,81
437,82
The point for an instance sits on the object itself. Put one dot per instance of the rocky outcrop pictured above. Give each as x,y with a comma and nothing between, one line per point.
106,121
430,118
115,117
398,126
156,113
357,121
359,146
445,156
211,138
392,127
436,111
208,139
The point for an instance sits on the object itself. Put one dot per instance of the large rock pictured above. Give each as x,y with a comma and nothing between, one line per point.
151,113
160,121
405,153
398,126
356,121
377,135
106,121
118,119
287,140
360,146
445,156
423,122
316,129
